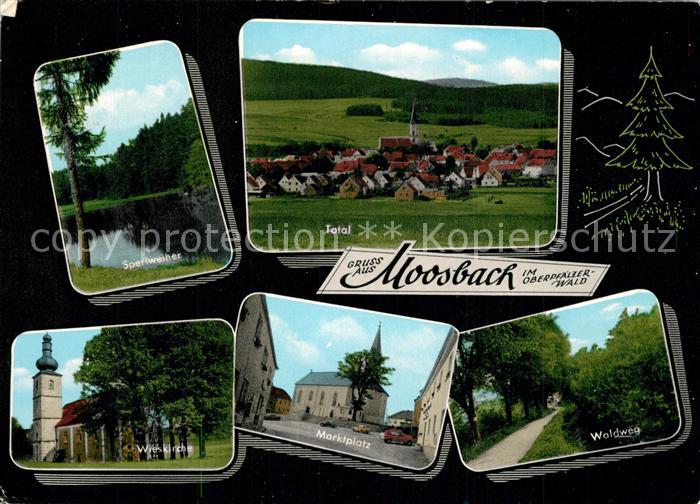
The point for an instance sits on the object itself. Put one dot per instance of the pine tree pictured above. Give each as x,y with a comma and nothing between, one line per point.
66,88
650,132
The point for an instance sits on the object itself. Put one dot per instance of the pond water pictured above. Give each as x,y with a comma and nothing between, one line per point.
153,232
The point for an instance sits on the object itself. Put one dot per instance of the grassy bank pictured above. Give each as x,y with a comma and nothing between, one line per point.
553,441
100,278
219,453
480,219
100,204
278,122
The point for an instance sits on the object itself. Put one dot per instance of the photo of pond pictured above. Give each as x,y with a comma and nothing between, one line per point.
131,177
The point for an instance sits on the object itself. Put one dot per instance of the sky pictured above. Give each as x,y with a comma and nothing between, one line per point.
591,322
310,336
68,348
421,52
146,81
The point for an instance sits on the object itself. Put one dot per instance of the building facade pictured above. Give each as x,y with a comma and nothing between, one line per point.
434,397
401,419
280,402
256,363
327,395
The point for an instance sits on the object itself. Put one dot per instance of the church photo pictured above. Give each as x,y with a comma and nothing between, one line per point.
142,397
337,378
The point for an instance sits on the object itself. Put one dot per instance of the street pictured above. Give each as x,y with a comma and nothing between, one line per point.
345,440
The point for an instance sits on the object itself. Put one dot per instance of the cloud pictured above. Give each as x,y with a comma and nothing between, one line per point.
470,69
516,69
638,308
613,307
548,64
262,56
290,340
405,54
21,378
297,54
69,368
345,328
119,109
467,45
334,63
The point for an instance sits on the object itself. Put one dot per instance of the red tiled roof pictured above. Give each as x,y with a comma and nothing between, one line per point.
427,177
543,153
536,162
369,169
398,165
507,167
395,142
345,166
73,413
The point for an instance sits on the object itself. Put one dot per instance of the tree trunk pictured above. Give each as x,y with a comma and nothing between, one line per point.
471,415
653,189
526,407
509,409
171,435
71,162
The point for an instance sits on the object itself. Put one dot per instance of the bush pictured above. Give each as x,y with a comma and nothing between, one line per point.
365,109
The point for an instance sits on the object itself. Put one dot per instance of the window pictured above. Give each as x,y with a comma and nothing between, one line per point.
264,359
258,330
311,396
335,398
321,397
299,396
244,390
434,422
50,384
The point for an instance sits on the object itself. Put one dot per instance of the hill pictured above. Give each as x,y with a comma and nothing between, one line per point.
457,82
512,105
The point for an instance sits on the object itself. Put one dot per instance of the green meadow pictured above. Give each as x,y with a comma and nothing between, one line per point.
486,218
218,456
279,122
102,278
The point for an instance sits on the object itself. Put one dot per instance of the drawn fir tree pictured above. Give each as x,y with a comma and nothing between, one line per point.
650,133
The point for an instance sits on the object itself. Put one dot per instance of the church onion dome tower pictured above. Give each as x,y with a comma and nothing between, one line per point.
46,362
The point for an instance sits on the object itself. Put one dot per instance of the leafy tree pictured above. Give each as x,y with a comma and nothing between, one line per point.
21,446
378,160
196,170
450,164
367,373
627,383
474,142
66,88
650,131
469,376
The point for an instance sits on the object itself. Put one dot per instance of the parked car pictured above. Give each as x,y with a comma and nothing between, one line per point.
272,416
362,429
397,436
328,423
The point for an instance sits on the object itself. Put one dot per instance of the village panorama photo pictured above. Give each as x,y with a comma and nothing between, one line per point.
133,187
136,397
580,379
364,383
371,134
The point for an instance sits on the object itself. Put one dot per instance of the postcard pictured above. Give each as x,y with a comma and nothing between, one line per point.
132,181
358,137
580,379
133,397
364,383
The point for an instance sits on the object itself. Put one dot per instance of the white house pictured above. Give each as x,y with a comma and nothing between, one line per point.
417,183
456,179
292,184
492,178
371,184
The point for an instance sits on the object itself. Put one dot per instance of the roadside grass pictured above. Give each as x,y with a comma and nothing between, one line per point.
493,427
277,122
478,221
218,455
553,441
100,204
101,278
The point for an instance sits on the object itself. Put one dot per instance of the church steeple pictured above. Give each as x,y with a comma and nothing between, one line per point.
377,344
413,124
46,362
